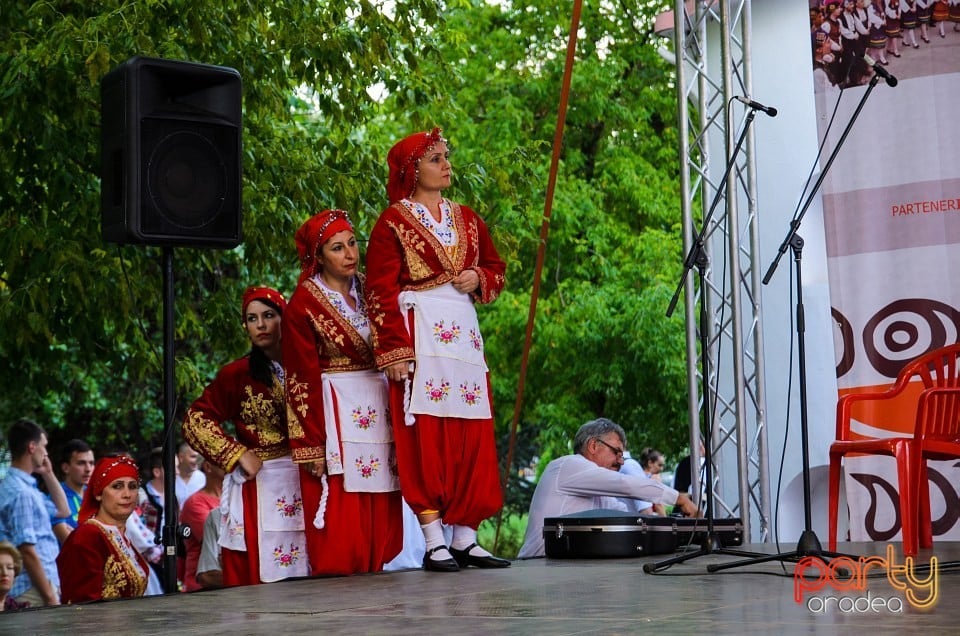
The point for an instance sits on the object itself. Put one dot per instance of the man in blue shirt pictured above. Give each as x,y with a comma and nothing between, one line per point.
76,463
25,514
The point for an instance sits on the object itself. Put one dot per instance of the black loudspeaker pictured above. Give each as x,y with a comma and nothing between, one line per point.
171,154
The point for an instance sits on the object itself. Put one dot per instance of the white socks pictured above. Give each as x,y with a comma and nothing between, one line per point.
463,537
433,534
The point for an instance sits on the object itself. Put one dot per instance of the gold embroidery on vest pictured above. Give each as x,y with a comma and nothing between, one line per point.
298,394
374,312
465,239
261,415
412,246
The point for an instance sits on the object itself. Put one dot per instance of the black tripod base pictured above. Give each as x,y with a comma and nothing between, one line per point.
710,545
807,546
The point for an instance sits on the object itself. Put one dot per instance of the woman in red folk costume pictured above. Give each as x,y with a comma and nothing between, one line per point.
262,524
429,260
97,561
337,408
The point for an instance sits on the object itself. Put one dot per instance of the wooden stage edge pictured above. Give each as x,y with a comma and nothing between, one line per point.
555,597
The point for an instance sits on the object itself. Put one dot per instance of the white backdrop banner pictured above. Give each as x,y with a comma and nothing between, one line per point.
892,221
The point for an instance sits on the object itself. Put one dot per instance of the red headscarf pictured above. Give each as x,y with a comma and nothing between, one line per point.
314,233
402,161
108,470
264,294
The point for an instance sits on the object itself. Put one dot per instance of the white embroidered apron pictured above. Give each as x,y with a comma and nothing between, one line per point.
450,377
280,527
231,512
283,545
359,437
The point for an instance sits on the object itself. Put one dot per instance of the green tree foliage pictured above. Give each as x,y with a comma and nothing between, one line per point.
82,319
602,344
328,86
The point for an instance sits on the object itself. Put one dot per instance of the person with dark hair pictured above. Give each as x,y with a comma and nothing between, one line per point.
76,464
653,463
429,261
260,504
590,479
143,539
337,401
98,562
152,493
650,465
856,38
25,514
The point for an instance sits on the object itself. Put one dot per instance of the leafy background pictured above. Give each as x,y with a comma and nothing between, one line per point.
328,87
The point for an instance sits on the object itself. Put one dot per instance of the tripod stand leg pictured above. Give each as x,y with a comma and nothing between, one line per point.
711,545
807,546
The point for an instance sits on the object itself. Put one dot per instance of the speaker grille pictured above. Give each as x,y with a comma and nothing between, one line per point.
188,178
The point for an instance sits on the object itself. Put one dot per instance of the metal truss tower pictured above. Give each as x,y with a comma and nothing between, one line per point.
711,50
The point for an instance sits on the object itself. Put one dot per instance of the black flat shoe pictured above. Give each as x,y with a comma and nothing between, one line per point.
464,559
439,565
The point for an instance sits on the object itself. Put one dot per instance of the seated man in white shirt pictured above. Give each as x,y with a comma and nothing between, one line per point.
589,479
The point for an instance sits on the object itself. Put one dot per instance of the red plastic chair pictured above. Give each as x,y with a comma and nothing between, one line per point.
940,439
936,435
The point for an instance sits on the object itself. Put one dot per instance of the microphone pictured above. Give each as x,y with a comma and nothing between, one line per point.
769,110
879,70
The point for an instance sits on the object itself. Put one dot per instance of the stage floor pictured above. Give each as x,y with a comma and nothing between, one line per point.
540,596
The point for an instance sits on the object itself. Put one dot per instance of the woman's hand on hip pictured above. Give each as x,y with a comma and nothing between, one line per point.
250,464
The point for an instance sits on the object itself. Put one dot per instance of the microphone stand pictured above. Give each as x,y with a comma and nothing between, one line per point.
711,543
808,545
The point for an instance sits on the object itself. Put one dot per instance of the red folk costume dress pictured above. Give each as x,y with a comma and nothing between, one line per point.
97,562
262,523
443,429
337,410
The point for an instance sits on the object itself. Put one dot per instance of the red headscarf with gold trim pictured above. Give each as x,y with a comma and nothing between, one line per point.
402,161
311,236
268,294
108,470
